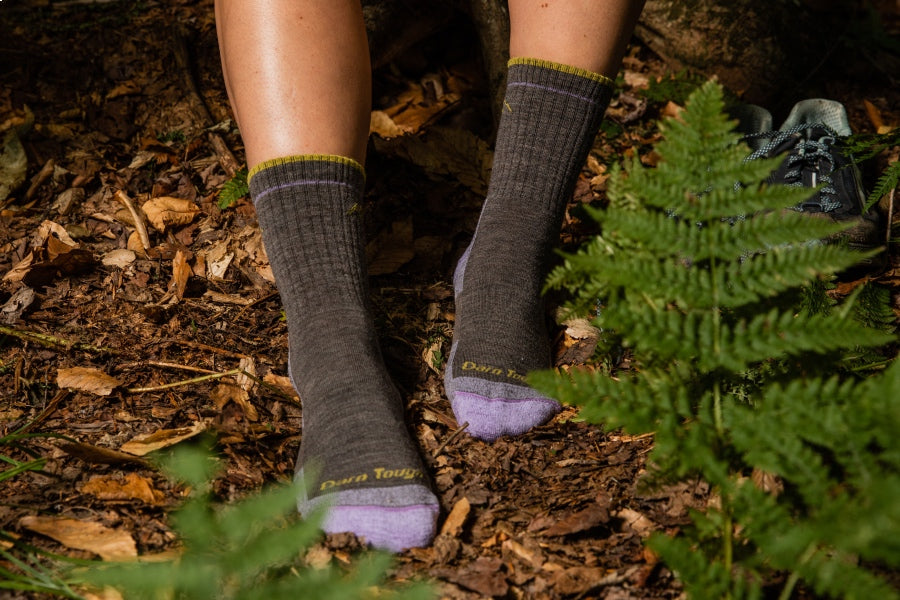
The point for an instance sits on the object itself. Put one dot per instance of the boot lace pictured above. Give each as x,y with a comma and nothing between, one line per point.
811,156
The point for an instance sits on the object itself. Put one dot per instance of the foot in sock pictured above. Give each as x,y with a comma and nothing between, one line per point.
356,458
551,114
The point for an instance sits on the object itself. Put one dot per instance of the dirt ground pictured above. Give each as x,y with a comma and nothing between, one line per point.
123,345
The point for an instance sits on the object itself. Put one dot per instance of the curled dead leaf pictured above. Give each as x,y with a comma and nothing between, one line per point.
457,517
87,379
225,392
181,272
133,487
109,544
166,211
145,444
53,251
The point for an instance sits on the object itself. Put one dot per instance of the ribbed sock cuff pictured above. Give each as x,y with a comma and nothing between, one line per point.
562,68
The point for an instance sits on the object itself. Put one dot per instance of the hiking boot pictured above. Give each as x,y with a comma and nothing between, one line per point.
813,137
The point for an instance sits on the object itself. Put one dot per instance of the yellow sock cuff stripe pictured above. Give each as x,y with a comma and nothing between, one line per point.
285,160
547,64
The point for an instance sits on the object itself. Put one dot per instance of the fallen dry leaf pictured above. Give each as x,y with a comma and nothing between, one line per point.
111,487
280,382
226,392
99,455
53,251
532,556
87,379
639,523
145,444
120,257
109,544
597,513
579,580
445,151
16,305
218,259
383,125
165,211
181,272
457,517
483,576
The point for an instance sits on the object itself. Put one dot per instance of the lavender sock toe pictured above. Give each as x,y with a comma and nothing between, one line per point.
494,409
391,518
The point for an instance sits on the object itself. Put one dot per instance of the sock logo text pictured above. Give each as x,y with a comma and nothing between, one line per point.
468,365
378,473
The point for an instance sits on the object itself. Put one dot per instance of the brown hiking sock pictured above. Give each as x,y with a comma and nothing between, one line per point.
550,116
356,453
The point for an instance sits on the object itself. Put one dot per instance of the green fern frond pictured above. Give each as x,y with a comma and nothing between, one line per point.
721,293
888,181
234,189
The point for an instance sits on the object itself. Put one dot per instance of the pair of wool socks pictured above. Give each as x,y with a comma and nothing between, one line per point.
356,454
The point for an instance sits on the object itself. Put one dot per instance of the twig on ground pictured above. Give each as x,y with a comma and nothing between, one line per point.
203,346
42,176
449,439
49,410
55,342
167,365
227,160
139,226
201,379
890,216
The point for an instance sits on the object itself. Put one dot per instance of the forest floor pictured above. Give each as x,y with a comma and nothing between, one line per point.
124,346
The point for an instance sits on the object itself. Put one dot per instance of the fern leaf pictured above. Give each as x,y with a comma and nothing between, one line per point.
234,189
888,181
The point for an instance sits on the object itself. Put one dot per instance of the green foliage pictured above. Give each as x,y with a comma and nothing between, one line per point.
22,566
247,551
889,180
676,87
738,356
234,189
174,135
864,146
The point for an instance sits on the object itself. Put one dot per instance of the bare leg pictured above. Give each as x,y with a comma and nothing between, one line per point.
587,34
298,76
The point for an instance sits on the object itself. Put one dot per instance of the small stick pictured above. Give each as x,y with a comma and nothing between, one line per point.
174,384
227,160
54,342
42,176
203,346
139,226
890,216
167,365
452,437
50,409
